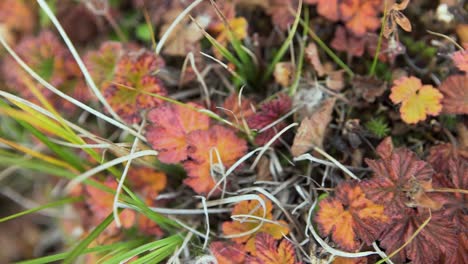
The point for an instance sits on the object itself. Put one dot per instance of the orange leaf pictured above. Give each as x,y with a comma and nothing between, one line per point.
170,126
350,217
284,73
326,8
238,108
269,252
417,100
147,181
360,16
210,150
253,208
342,260
100,204
227,253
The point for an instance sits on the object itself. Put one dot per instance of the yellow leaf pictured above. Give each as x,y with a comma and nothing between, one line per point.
418,101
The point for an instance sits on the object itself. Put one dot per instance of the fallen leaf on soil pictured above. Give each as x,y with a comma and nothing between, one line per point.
312,56
284,73
311,132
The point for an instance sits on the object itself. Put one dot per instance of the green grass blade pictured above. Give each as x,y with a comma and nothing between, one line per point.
39,208
300,59
97,249
162,243
81,247
379,43
279,55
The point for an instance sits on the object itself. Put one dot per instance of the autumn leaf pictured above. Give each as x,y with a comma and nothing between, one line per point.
396,176
455,92
343,41
326,8
101,203
343,260
17,16
460,58
238,108
313,57
279,10
417,100
101,63
269,113
437,239
284,73
360,16
211,151
395,17
268,251
148,227
235,26
311,132
350,217
127,92
169,128
440,154
147,181
253,208
228,253
186,35
48,57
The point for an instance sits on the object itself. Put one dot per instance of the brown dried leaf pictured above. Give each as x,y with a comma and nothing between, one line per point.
311,132
312,56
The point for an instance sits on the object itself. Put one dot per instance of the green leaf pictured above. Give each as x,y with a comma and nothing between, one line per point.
143,32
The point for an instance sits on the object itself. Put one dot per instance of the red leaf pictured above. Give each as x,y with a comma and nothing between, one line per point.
101,63
170,127
350,217
228,253
396,175
437,238
268,114
203,149
239,109
455,91
267,251
342,41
